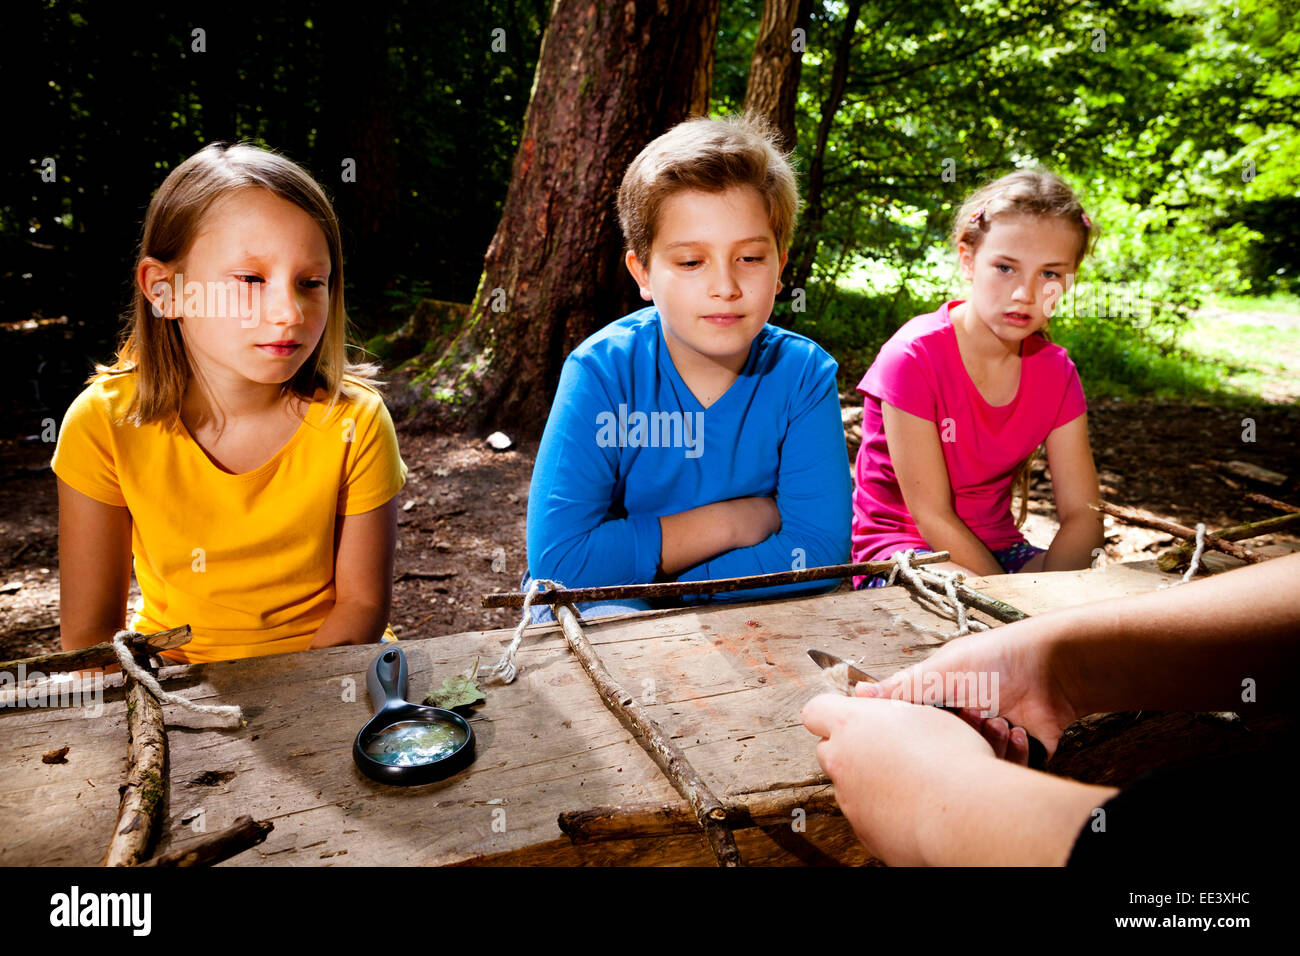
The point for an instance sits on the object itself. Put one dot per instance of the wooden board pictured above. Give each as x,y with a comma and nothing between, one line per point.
727,681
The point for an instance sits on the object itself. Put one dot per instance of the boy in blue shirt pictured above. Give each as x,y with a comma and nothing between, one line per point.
691,439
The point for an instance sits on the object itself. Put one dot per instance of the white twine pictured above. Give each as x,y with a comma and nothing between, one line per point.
504,670
1195,563
948,604
230,714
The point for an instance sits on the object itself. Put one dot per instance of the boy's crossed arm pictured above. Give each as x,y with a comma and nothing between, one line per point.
572,539
813,497
691,537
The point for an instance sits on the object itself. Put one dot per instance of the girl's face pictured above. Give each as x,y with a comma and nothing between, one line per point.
256,290
1019,273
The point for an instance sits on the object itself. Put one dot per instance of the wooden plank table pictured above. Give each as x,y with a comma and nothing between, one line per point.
727,681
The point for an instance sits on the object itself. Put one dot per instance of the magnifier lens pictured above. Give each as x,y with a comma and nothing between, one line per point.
411,743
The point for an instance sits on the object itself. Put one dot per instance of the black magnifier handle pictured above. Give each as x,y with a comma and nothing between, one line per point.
1037,753
386,679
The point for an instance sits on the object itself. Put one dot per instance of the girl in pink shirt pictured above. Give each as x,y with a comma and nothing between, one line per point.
958,399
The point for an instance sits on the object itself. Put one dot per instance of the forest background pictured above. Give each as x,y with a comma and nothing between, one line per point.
1175,120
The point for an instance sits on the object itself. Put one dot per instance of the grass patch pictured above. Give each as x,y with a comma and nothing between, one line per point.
1278,302
1259,361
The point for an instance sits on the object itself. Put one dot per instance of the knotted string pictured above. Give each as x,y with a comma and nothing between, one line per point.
505,671
230,714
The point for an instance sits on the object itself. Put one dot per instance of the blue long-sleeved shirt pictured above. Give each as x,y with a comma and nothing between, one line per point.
627,441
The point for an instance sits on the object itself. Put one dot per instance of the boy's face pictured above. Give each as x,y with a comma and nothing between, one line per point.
713,273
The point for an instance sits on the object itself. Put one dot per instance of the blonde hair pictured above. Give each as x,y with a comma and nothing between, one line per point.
710,155
1026,192
152,347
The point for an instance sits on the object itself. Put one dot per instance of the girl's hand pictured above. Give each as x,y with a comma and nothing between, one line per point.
1074,489
895,767
1014,664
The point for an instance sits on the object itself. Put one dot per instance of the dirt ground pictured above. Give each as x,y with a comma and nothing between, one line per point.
464,506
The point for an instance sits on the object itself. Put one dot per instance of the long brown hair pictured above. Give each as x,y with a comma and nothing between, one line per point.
152,348
1026,192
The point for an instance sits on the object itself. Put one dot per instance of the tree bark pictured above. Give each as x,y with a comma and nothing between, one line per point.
610,78
97,655
806,246
140,811
704,804
241,835
774,70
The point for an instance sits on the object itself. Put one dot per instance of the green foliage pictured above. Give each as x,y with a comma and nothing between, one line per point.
1174,119
414,93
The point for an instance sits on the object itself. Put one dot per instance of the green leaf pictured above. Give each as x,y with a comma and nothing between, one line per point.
459,690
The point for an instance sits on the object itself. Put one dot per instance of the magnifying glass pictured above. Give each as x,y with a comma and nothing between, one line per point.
404,743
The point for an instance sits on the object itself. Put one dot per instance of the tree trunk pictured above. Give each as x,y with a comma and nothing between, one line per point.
806,245
610,78
358,102
778,60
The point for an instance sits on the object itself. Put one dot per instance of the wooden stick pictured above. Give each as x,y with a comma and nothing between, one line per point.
707,808
1179,531
98,655
1178,557
146,781
632,820
424,576
716,586
242,835
1244,469
1272,503
998,610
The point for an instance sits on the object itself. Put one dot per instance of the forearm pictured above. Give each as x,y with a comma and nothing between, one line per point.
989,812
1076,542
690,537
946,532
351,623
72,638
1190,648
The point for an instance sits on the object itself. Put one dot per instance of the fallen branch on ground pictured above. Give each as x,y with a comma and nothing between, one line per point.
1244,469
1272,503
1179,531
1177,558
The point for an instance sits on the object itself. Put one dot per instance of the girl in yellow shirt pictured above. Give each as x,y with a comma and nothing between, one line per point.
231,449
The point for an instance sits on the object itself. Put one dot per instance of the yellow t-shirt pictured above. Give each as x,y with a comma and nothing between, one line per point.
246,560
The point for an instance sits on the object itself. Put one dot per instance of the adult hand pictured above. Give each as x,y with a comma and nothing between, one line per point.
1013,664
896,767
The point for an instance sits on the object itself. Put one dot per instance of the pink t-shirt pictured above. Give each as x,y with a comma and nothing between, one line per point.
920,371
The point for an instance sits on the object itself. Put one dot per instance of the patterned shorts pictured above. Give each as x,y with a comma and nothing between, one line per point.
1011,558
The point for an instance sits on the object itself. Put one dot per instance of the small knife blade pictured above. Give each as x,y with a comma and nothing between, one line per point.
825,660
